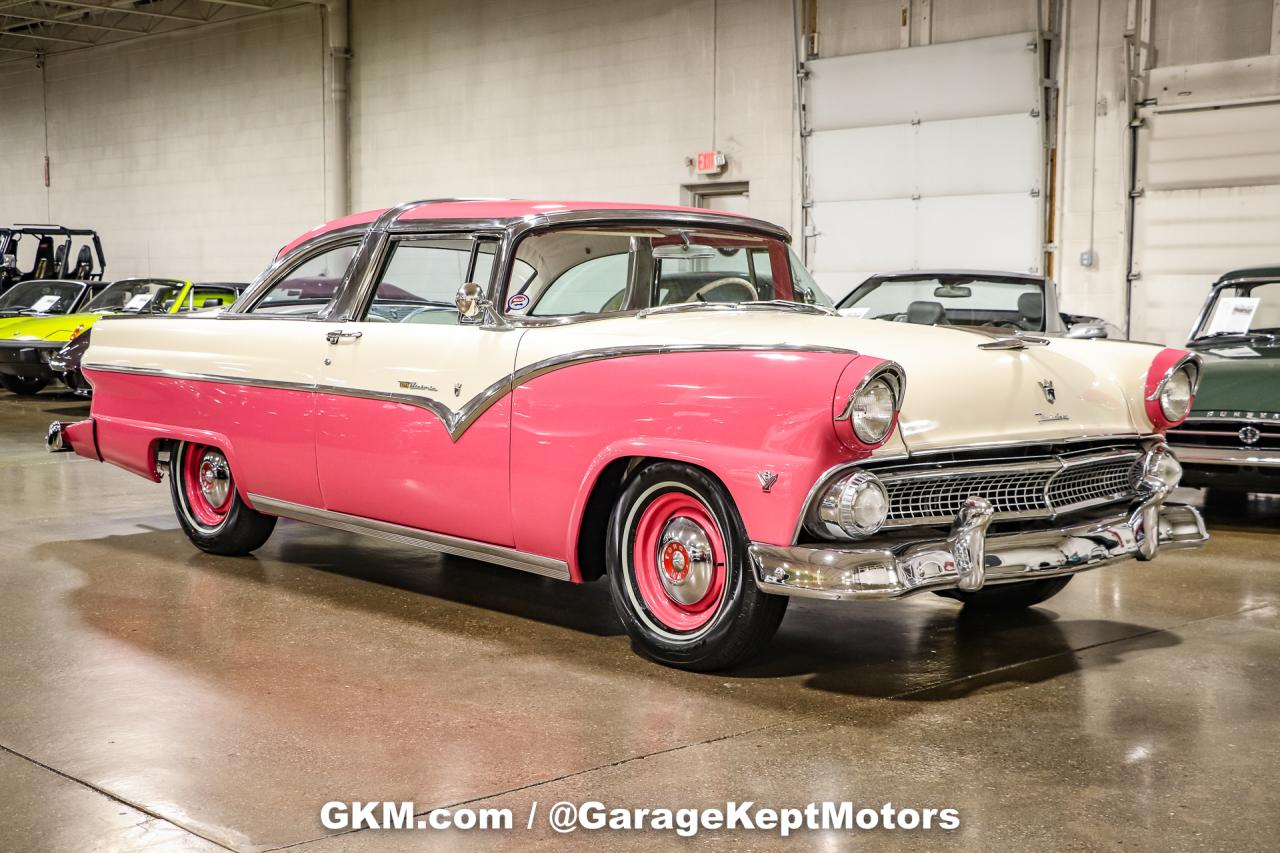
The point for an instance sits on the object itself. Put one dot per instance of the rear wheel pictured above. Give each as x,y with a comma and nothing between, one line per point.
211,512
1010,596
24,385
679,572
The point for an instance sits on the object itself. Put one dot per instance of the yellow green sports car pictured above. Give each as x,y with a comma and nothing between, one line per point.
27,343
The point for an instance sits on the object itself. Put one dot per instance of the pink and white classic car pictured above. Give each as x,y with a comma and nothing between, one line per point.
660,396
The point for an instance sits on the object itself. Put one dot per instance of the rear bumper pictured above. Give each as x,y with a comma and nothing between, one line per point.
28,358
965,562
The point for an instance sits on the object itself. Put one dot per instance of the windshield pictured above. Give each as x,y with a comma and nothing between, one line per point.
149,296
961,300
42,297
1244,310
586,271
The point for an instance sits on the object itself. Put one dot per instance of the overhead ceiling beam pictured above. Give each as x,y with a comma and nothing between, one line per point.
18,35
240,3
69,23
15,50
127,10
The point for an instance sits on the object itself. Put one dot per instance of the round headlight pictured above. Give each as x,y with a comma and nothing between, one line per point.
1175,396
856,506
872,411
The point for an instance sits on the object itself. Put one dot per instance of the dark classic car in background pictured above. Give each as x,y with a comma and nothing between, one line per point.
33,252
1019,302
1231,440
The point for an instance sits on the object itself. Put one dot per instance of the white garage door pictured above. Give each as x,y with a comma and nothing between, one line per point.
1210,202
925,157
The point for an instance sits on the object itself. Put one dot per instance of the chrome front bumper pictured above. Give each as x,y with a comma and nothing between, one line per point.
968,559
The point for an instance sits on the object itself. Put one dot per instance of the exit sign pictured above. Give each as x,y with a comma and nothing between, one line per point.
709,163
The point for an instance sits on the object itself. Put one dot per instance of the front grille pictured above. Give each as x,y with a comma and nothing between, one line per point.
1227,432
1026,488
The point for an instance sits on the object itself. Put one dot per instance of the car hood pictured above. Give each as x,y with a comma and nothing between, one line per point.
957,394
1238,378
57,328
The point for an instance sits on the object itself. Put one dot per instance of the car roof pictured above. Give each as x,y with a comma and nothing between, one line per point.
1249,272
502,211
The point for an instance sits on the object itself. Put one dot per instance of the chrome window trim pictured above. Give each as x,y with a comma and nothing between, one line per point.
356,309
442,543
373,239
458,421
279,268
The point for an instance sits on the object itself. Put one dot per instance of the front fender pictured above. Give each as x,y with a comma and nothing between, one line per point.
737,414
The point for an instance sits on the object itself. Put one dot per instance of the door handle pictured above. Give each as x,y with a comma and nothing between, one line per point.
334,337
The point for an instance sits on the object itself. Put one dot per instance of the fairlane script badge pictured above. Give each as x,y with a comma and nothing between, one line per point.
415,386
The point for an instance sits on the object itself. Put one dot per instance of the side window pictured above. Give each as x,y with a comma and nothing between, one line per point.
311,285
570,272
420,280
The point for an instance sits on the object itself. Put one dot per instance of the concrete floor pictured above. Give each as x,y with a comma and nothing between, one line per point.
154,697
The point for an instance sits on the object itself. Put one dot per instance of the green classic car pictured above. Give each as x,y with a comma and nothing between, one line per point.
27,344
1231,440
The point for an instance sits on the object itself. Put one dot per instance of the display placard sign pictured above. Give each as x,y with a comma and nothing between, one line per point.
44,303
855,313
138,302
1232,315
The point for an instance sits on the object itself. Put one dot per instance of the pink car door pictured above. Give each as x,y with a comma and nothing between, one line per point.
414,414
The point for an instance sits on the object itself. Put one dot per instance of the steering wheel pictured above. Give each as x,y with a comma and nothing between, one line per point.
736,281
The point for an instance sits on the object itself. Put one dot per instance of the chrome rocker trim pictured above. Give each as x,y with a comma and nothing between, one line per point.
458,421
969,560
509,557
1191,455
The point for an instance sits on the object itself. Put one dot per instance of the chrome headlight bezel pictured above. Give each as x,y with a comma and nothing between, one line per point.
871,410
1182,381
854,505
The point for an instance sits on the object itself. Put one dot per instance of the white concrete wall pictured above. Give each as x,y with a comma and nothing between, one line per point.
199,154
577,100
22,193
195,156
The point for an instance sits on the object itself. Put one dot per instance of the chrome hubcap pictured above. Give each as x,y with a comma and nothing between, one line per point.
215,478
685,561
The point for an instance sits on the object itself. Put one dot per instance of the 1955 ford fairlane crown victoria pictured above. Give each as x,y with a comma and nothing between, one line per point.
659,396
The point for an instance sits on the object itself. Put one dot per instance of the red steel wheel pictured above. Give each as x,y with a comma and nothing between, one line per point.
678,562
207,487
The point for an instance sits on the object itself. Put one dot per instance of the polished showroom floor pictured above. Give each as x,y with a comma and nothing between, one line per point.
154,697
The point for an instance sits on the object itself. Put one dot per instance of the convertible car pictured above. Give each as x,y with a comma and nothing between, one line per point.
655,395
1231,441
28,348
1015,301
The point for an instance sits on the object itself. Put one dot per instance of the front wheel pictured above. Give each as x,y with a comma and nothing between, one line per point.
23,385
679,572
211,512
1010,596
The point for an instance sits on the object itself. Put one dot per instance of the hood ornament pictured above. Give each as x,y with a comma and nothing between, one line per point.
1050,394
767,479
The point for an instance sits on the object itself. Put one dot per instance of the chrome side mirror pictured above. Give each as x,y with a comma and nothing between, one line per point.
471,303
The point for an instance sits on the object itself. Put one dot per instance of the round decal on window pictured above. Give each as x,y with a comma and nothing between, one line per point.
518,302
